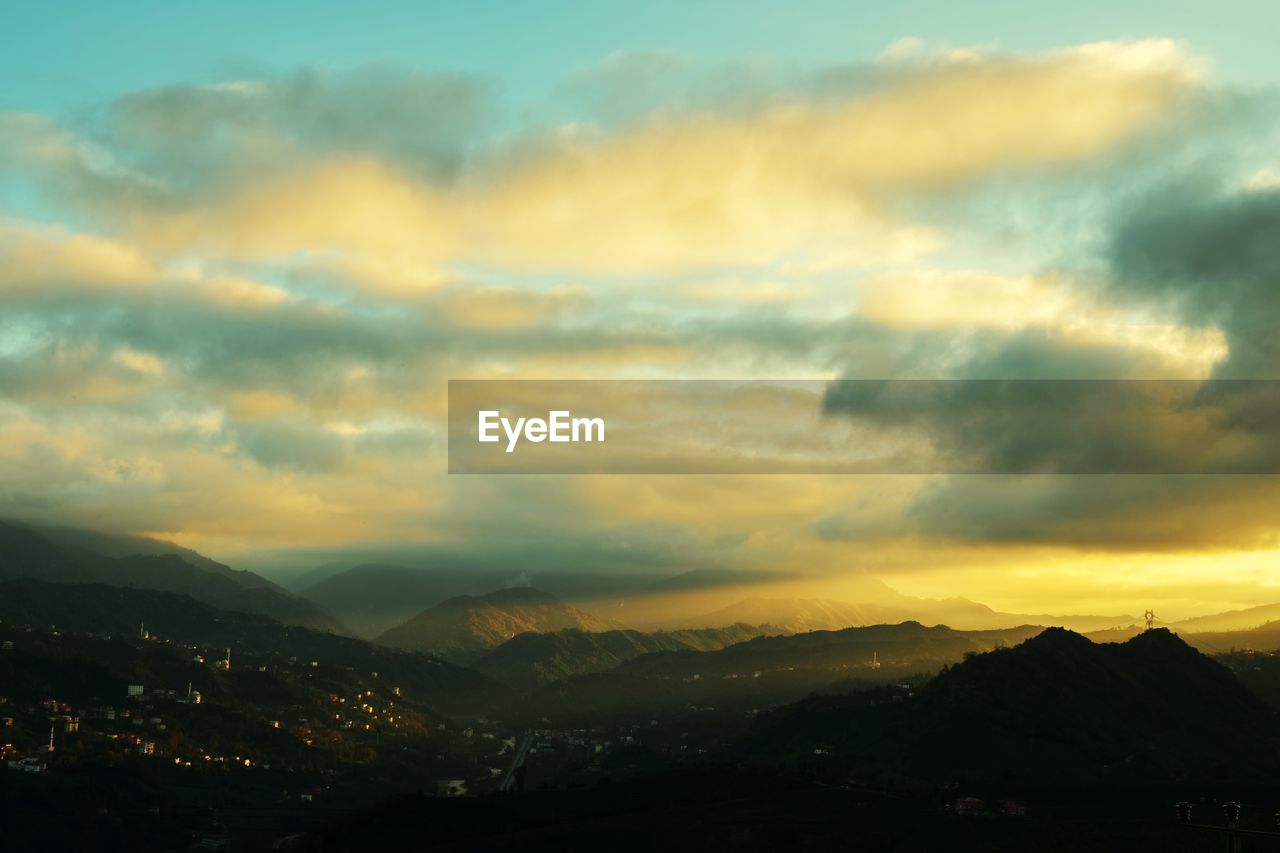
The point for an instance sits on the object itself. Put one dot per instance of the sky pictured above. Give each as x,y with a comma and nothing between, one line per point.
243,249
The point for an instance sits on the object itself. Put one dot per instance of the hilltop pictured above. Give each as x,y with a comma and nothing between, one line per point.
64,555
1057,707
462,629
529,660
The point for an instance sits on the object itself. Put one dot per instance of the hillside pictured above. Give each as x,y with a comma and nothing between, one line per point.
1265,637
529,660
763,671
373,598
118,611
26,552
1231,620
119,545
1057,707
462,629
907,647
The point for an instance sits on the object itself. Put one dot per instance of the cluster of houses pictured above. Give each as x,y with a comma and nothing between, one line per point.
135,714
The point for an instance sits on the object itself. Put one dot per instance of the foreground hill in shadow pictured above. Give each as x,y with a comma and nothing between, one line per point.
1062,744
1057,707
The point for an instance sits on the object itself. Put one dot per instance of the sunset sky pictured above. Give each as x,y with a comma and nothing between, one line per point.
242,252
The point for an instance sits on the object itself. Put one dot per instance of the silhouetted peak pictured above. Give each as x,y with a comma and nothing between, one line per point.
1160,641
1058,638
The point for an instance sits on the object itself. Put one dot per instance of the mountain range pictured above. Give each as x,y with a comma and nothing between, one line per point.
63,555
464,628
170,618
533,659
798,615
764,671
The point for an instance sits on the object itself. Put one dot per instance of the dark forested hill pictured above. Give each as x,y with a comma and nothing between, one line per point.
1056,707
101,609
67,556
531,659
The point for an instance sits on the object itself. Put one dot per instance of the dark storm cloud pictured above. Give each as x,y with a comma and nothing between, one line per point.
1215,260
1075,426
1209,258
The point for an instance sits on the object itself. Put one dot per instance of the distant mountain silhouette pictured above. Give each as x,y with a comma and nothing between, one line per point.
797,615
373,598
111,610
1231,620
27,552
529,660
907,647
1055,708
1265,637
765,670
462,629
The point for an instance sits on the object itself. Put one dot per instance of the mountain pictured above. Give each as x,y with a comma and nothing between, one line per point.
798,615
119,545
530,660
375,597
970,615
28,552
462,629
908,647
1265,638
178,619
763,671
1231,620
1056,708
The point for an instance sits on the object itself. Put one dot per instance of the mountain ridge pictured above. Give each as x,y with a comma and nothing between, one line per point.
465,627
27,552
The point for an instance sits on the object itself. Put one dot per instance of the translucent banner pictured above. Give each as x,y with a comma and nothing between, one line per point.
864,427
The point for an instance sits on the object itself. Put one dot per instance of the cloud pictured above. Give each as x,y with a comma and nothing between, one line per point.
192,136
400,167
1211,256
234,319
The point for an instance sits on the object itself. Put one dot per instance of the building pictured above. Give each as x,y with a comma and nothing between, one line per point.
136,690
